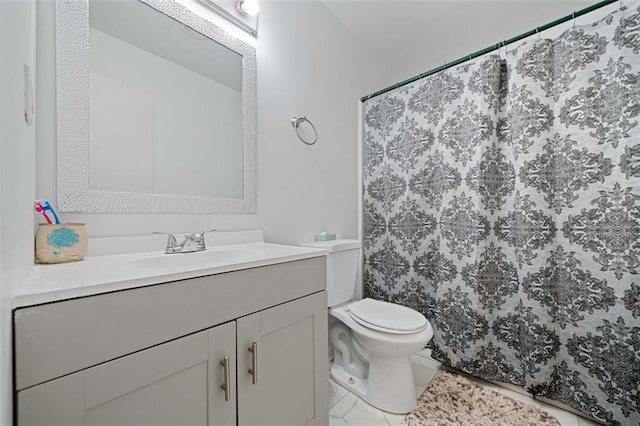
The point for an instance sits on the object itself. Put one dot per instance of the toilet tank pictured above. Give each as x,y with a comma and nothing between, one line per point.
342,268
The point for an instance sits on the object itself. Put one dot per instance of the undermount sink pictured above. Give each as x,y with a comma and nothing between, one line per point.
197,259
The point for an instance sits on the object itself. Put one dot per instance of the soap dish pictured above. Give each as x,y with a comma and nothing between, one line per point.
325,236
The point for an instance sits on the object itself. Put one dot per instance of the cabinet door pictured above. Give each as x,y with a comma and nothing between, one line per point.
290,367
176,383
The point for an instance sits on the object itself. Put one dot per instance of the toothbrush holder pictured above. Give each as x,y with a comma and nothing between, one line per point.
61,242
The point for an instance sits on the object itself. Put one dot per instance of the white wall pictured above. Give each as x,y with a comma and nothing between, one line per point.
17,173
308,64
5,293
307,55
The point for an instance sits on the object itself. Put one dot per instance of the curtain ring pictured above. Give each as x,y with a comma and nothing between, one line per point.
296,122
573,15
538,32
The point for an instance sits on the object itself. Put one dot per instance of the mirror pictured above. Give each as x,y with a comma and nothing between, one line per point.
157,115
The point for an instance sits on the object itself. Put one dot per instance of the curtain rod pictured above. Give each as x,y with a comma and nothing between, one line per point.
491,48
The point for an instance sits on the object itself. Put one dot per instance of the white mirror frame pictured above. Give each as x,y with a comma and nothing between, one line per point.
72,58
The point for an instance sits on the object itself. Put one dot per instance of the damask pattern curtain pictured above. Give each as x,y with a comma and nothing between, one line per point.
502,200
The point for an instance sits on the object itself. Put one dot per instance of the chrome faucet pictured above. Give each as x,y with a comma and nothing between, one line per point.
192,242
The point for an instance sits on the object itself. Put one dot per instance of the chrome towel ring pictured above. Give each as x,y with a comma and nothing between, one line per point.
296,122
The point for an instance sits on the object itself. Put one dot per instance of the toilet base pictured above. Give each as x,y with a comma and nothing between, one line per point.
375,390
356,386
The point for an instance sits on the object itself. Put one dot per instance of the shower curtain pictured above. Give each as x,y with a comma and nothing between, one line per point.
502,200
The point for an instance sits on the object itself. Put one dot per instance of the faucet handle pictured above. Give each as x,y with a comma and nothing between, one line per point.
198,237
171,239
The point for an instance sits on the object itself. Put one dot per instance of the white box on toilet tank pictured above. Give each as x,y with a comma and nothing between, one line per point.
342,268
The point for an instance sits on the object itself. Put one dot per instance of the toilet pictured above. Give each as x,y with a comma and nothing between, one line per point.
373,340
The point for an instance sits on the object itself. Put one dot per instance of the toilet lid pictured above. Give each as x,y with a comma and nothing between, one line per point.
387,317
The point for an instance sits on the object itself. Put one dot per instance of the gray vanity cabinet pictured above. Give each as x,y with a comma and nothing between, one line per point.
155,355
287,384
176,383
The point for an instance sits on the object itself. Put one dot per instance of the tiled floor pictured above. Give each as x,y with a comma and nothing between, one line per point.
347,409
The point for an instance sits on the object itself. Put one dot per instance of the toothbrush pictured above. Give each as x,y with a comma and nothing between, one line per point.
40,210
46,206
43,206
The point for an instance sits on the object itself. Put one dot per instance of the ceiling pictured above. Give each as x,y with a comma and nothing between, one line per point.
415,36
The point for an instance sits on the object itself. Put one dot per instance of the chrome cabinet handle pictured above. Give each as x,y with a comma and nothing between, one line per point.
227,379
254,362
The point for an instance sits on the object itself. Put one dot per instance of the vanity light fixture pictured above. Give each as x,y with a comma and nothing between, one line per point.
248,7
243,13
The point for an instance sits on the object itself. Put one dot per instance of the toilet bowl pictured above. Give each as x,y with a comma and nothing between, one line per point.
372,340
373,344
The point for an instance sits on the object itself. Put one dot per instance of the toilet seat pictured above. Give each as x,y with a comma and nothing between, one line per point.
387,317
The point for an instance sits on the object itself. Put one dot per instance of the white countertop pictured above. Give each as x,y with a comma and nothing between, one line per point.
101,274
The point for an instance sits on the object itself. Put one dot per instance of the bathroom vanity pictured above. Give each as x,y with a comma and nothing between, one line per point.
240,340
